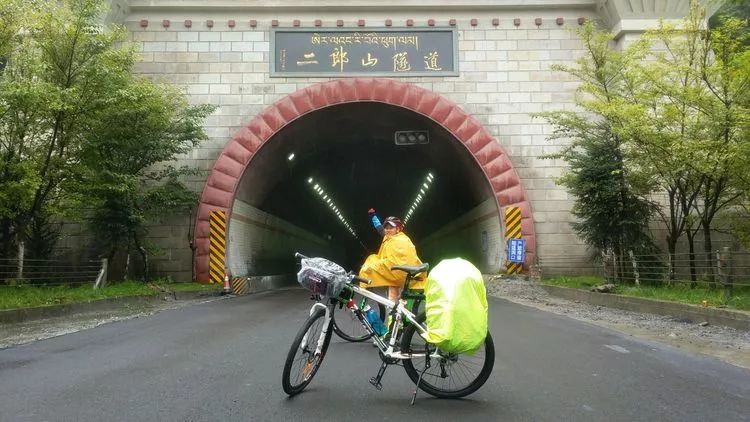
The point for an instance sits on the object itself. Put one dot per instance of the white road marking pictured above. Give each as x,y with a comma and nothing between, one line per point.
617,348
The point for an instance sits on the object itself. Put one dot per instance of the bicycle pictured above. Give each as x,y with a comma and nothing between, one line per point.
431,369
348,327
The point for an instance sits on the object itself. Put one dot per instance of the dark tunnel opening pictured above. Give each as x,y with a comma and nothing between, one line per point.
348,152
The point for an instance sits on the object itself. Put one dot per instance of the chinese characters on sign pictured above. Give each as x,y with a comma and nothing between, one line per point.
351,53
516,250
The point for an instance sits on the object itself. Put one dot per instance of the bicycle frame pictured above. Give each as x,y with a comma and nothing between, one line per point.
398,311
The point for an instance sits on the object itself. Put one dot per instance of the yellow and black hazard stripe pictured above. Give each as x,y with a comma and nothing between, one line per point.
217,249
513,231
239,285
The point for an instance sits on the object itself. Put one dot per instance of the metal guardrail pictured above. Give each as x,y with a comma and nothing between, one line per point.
44,272
722,268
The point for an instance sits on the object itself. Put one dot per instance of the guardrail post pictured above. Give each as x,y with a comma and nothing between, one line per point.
725,271
21,253
607,264
101,278
635,268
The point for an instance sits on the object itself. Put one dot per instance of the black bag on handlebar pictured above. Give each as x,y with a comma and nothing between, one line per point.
322,277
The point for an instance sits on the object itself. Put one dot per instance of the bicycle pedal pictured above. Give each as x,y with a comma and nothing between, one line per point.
375,383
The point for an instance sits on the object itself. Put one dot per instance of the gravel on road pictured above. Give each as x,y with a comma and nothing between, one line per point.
727,344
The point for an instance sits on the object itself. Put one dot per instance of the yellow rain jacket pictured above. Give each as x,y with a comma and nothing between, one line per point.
395,250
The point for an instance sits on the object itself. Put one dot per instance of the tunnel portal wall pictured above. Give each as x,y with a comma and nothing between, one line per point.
475,236
505,75
261,244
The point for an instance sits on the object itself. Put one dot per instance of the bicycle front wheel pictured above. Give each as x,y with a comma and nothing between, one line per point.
451,375
301,362
347,325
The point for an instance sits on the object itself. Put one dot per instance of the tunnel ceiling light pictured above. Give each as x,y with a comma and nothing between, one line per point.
421,194
290,157
328,200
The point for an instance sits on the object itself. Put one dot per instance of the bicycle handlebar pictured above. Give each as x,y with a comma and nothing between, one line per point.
354,277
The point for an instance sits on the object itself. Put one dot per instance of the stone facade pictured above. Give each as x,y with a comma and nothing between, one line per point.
218,52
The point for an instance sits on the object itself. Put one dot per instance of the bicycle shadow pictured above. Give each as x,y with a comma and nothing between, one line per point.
317,401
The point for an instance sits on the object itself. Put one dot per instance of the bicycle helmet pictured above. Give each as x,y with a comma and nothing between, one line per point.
393,221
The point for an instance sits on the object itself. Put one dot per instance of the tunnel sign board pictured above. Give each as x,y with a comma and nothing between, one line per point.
516,250
371,52
516,245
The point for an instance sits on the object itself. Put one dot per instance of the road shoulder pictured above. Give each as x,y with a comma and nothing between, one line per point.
82,317
727,344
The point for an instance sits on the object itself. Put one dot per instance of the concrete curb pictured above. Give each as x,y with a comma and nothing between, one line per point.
11,316
257,284
735,319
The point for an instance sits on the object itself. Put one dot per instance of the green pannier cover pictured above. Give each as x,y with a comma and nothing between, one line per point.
456,305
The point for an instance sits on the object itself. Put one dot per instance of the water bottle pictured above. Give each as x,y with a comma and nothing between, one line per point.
374,319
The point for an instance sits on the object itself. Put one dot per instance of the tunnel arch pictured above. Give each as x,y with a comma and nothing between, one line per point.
222,183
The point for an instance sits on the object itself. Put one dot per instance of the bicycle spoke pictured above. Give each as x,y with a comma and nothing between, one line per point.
460,371
304,362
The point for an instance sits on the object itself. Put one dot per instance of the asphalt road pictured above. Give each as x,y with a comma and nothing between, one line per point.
222,361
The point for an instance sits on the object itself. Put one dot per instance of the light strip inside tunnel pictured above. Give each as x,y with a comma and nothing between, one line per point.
328,200
421,194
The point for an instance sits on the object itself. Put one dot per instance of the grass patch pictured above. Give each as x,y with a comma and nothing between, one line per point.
15,297
191,287
680,293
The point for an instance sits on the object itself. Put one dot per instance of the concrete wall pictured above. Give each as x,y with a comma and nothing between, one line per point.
262,244
505,73
505,76
476,236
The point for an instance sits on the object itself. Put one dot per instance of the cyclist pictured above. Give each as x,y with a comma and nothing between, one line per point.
396,249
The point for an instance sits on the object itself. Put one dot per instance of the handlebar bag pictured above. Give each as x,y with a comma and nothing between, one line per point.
322,277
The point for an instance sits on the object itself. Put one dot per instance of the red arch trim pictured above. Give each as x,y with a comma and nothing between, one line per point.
219,191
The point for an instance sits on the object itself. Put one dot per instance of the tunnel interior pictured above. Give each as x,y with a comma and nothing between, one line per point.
328,167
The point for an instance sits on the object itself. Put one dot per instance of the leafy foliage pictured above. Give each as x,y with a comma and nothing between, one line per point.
611,205
80,134
121,180
667,117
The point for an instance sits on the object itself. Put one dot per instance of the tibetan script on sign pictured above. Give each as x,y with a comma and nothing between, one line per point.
418,52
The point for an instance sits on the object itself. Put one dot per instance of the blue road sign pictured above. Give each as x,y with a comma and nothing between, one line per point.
516,250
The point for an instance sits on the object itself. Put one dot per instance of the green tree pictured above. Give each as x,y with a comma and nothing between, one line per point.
124,184
684,121
739,9
610,194
725,73
662,126
57,75
10,23
80,134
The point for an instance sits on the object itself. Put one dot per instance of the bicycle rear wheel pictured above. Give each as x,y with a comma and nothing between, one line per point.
301,362
347,326
452,375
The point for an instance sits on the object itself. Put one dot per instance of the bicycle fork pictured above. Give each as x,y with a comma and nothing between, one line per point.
324,331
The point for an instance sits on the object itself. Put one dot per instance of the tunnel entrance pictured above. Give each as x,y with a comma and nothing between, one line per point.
301,176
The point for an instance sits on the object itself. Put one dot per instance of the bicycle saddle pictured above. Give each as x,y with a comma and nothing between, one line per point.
412,270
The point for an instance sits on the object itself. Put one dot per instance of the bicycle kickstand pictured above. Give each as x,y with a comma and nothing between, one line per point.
426,367
375,381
